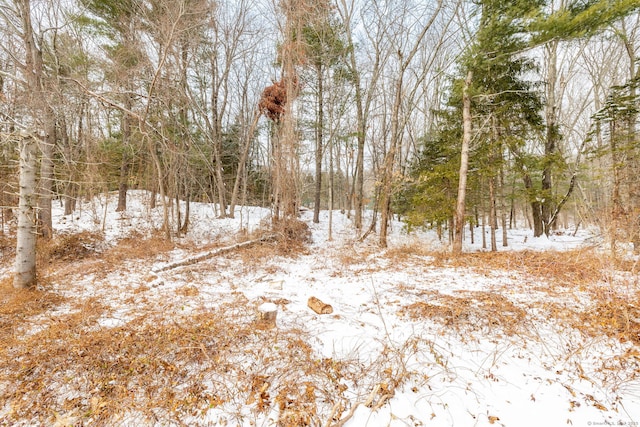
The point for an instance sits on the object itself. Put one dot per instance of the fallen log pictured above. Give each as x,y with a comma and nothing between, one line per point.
211,254
318,306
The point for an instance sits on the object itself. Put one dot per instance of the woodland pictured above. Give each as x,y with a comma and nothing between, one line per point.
443,113
162,160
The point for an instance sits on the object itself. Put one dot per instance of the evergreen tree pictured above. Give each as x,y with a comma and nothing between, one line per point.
324,49
500,106
119,22
426,197
619,118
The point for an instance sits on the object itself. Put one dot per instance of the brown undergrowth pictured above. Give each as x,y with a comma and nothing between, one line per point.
156,370
569,268
70,247
17,307
399,254
138,247
470,311
290,239
612,316
611,308
7,248
68,369
163,368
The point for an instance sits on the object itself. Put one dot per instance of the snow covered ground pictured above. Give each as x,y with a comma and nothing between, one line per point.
416,338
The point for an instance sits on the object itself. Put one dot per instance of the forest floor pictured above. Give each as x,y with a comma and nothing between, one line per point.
544,332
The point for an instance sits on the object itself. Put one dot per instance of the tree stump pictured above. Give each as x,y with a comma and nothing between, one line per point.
266,316
318,306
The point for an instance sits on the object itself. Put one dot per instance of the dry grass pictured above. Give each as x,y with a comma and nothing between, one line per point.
164,368
470,311
558,268
7,248
82,254
353,255
400,254
612,316
69,247
609,313
291,240
138,247
568,267
17,306
153,371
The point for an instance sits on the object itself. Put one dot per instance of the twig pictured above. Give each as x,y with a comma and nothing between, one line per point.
352,411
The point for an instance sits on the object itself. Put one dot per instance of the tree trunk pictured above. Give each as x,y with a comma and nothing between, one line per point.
492,212
123,186
389,163
484,225
161,186
331,198
319,144
187,212
125,165
71,194
633,149
242,165
46,179
71,186
503,210
551,143
25,262
178,214
358,186
536,206
42,113
617,209
464,163
287,159
217,153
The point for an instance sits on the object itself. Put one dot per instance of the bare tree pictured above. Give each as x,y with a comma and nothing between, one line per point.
404,61
286,180
364,90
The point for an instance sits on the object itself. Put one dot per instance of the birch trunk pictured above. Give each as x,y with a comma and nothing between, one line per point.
25,262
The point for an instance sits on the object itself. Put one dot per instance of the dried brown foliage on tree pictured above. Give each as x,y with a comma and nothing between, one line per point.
273,101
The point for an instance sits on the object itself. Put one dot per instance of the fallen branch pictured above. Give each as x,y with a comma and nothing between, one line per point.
211,254
350,414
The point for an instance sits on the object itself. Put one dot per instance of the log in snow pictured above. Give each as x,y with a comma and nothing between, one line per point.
318,306
211,254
